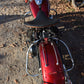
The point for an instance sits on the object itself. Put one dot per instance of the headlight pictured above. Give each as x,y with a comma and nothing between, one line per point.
38,2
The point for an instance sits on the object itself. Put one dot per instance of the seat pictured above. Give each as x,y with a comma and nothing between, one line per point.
41,21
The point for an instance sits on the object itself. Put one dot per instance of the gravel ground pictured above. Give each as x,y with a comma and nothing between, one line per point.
14,34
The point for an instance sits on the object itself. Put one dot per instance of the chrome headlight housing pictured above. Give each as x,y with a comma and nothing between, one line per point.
38,2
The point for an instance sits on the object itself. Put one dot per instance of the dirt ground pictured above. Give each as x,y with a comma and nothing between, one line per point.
14,34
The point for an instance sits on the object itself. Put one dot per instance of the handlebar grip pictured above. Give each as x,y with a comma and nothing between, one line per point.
26,1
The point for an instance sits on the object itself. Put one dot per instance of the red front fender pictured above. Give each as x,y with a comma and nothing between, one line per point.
52,68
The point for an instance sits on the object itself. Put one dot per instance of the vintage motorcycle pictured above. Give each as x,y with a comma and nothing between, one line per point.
45,36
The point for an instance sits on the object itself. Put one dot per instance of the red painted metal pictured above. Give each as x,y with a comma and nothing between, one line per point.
52,73
26,1
35,8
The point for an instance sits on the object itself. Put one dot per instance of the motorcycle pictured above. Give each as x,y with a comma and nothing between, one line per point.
45,36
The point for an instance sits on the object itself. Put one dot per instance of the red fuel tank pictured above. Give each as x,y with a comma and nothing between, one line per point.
35,8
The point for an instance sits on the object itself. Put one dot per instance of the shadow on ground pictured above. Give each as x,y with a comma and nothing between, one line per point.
68,20
1,56
72,20
9,18
74,38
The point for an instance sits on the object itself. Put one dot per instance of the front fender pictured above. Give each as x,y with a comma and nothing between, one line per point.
52,68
